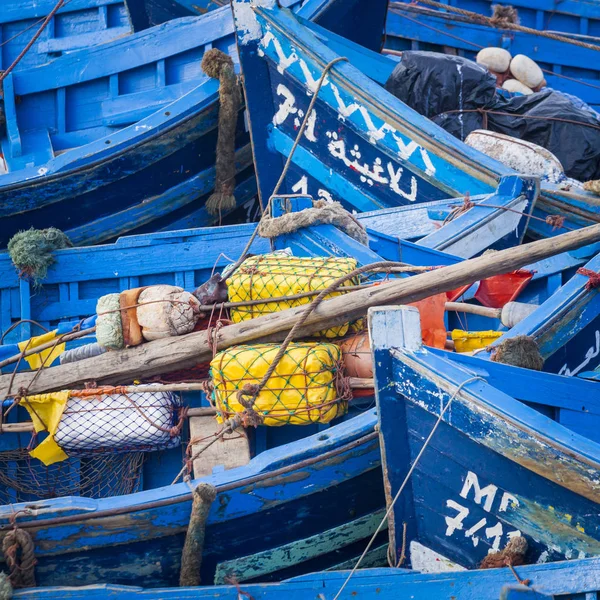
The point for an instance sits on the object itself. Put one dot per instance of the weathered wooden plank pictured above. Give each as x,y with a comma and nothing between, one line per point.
263,563
228,453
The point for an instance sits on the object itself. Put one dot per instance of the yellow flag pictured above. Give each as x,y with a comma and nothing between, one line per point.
45,357
46,411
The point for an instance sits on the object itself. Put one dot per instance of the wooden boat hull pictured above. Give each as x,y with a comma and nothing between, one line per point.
494,467
77,24
363,147
361,24
145,187
576,580
145,131
294,493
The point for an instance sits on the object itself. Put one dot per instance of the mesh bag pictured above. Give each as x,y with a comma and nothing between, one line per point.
275,276
88,422
26,479
306,386
120,423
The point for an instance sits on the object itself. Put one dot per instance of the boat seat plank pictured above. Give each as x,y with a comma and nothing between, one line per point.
130,108
228,454
83,40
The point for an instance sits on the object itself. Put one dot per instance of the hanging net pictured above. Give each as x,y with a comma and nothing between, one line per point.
26,479
275,276
306,387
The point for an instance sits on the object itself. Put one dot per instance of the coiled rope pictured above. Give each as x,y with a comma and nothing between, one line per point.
19,554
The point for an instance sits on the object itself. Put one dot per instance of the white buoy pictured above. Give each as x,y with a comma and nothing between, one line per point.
524,157
494,59
526,71
165,311
514,85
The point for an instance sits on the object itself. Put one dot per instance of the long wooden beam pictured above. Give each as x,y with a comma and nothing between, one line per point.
171,354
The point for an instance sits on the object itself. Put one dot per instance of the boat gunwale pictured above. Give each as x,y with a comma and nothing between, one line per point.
187,496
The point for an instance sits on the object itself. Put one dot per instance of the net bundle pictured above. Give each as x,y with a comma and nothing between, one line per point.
279,276
306,387
26,479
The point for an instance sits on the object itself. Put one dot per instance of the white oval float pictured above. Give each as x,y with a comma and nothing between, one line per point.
523,157
494,59
514,85
526,71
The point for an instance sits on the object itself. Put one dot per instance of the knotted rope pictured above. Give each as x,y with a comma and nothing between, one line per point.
504,16
332,213
218,65
500,22
594,278
19,554
519,351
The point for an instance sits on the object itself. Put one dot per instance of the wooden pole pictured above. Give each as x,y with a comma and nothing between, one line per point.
191,556
474,309
171,354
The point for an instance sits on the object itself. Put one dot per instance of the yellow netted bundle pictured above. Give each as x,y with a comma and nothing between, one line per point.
274,276
303,389
467,341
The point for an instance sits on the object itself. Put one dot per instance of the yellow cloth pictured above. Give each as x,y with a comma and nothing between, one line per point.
467,341
45,357
46,411
275,276
302,390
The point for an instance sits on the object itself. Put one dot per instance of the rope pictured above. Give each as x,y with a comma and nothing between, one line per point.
286,166
32,41
19,554
502,24
253,390
594,278
18,324
228,427
219,65
405,481
480,47
555,221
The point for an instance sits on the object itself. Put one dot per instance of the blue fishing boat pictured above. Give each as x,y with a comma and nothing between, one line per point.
470,458
363,27
568,64
121,137
302,481
361,145
575,580
566,327
76,24
577,17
